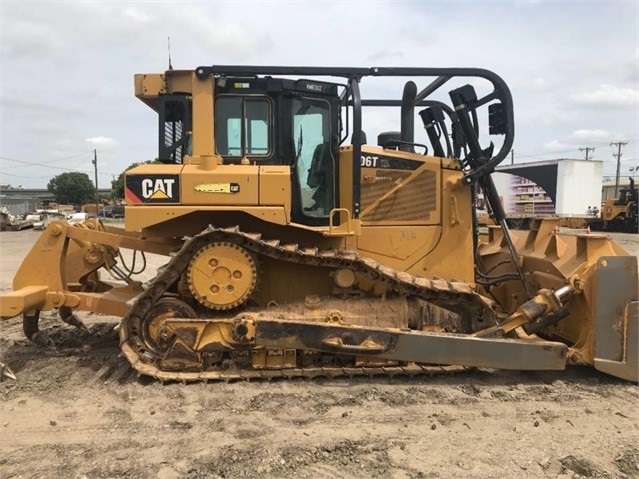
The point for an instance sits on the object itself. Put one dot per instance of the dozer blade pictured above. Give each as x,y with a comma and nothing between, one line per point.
601,328
617,317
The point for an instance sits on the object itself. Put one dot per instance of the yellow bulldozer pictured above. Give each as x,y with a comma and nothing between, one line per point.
620,214
295,248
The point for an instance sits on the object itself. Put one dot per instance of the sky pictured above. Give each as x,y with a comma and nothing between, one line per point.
66,69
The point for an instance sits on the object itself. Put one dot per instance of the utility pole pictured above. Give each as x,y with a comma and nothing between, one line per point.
618,156
587,149
97,194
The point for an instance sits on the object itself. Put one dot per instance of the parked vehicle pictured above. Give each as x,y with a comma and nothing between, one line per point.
46,218
112,211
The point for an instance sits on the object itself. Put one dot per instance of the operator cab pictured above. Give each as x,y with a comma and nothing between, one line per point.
275,121
271,121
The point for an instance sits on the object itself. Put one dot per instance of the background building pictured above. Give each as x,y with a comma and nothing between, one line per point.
22,200
562,187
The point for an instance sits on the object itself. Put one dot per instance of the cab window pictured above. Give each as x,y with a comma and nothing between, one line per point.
243,126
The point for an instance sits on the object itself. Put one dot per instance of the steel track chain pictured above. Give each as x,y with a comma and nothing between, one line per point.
456,296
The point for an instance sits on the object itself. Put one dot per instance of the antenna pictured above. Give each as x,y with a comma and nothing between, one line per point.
169,43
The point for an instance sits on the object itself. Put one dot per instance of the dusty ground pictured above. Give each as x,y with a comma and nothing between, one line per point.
80,412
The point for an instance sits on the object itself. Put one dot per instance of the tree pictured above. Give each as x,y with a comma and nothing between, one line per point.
72,188
117,186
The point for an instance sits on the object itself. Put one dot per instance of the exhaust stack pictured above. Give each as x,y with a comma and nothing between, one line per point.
408,117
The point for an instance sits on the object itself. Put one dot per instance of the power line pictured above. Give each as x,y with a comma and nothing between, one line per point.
85,154
31,163
572,150
23,176
552,153
43,163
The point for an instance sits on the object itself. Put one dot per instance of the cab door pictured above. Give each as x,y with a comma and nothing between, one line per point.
314,166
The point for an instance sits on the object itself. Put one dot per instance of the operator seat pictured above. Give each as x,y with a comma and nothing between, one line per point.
320,177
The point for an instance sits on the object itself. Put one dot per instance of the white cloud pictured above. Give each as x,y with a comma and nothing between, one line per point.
136,15
556,146
581,139
384,55
29,40
229,38
607,95
102,142
591,135
67,67
540,82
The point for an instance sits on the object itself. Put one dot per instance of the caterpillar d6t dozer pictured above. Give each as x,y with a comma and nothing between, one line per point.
296,248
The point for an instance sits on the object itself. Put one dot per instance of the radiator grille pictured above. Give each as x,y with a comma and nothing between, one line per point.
413,201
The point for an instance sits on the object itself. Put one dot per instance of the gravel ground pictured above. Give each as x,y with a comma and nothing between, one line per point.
81,412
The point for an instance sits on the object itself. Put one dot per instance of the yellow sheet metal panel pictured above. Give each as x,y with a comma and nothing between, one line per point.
275,186
180,81
398,243
179,220
223,185
346,177
203,114
149,85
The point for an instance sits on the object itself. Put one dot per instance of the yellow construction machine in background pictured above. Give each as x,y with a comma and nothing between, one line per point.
620,214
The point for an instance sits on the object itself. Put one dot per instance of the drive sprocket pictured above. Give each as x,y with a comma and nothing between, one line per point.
221,275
